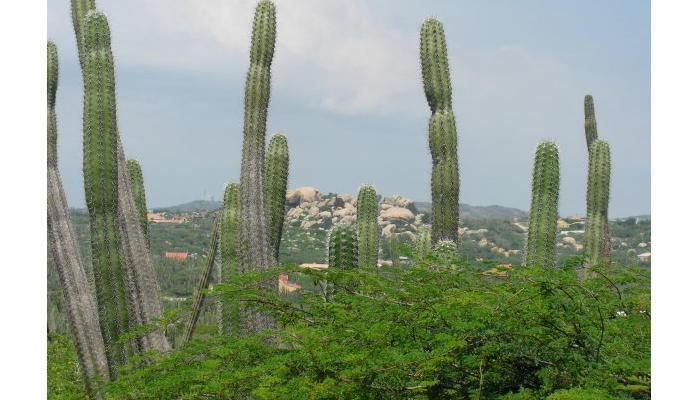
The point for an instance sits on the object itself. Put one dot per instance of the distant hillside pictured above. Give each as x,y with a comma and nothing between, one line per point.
480,212
192,206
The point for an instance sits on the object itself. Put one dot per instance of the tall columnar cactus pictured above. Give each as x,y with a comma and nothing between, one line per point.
589,123
135,254
343,247
80,306
442,132
368,226
255,250
394,248
423,243
542,230
139,193
597,240
79,9
230,230
277,170
445,251
100,165
204,279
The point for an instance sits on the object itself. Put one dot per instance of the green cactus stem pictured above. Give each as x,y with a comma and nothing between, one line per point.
204,279
542,230
442,132
343,247
80,306
597,236
277,170
445,251
589,124
139,192
255,250
368,232
79,9
423,243
632,260
394,249
100,177
230,230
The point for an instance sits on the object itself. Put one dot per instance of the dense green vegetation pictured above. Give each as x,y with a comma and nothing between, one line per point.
426,332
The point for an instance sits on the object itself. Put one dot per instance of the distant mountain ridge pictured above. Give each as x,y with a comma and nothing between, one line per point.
480,212
465,210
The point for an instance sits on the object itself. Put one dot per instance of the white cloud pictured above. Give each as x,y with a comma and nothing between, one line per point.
333,55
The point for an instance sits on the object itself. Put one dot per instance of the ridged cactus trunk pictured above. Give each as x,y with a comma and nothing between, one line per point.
597,236
200,295
277,173
139,193
80,306
128,295
118,313
423,243
230,230
255,250
394,249
544,207
343,252
445,251
442,132
590,126
367,226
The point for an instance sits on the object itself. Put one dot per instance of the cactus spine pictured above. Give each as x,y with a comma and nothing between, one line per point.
230,230
423,243
80,307
445,251
394,248
100,176
367,226
255,251
79,9
542,230
442,132
343,247
277,170
589,123
139,193
209,263
597,242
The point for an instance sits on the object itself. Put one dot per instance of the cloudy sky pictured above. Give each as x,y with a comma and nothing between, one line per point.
346,89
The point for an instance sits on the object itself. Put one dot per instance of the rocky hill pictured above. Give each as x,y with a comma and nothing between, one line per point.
310,195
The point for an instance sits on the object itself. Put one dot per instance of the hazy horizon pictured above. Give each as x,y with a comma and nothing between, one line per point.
346,89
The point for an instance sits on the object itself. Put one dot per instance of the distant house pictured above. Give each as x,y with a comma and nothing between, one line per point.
314,266
284,286
175,220
644,257
155,216
176,255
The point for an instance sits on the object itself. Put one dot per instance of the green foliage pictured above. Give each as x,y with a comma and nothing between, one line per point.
100,138
139,192
63,377
442,132
368,226
277,171
597,244
230,254
589,123
425,332
544,208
